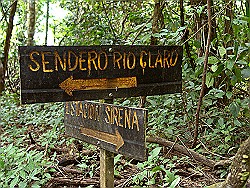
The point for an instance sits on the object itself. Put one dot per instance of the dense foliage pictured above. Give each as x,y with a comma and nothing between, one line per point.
224,117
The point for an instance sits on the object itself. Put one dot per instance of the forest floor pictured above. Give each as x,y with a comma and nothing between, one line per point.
68,173
75,164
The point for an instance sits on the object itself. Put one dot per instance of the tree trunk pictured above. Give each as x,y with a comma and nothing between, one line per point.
157,25
228,30
4,60
203,85
200,20
31,22
201,28
158,21
1,77
239,171
185,36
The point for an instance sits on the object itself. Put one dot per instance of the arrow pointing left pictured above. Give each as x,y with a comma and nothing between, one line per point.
69,85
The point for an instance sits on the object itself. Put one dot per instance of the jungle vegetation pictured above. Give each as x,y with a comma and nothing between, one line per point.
197,138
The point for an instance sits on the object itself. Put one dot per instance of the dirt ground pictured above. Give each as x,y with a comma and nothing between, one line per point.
68,174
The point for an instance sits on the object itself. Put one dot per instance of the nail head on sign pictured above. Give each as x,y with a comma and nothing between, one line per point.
110,94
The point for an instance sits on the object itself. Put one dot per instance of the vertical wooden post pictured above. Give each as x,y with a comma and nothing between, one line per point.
106,169
107,164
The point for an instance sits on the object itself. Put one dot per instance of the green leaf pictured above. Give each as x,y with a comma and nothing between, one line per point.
227,138
1,163
221,122
35,178
197,44
222,51
229,94
219,70
154,153
14,182
209,79
140,165
151,181
117,158
200,9
35,186
219,94
22,184
181,29
116,172
234,109
157,168
200,60
52,170
208,101
241,62
157,35
238,74
145,37
9,148
233,80
209,121
237,122
198,71
170,176
175,182
229,64
246,73
138,26
212,60
47,175
23,174
214,67
152,102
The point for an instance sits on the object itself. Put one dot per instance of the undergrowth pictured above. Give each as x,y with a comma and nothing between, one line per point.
19,163
170,117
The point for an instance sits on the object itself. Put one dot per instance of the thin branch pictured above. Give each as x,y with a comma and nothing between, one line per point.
141,30
47,24
72,182
204,74
183,150
5,12
171,148
123,23
215,154
185,35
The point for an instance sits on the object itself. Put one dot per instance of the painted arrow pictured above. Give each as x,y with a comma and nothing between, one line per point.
116,139
69,85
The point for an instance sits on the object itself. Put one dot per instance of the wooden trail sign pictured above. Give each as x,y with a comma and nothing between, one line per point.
73,73
114,128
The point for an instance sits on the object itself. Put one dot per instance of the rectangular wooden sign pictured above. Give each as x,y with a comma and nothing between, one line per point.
114,128
73,73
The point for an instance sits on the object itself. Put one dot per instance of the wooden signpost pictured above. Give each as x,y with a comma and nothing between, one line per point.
78,73
61,73
114,128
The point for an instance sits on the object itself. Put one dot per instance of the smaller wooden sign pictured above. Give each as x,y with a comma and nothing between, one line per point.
114,128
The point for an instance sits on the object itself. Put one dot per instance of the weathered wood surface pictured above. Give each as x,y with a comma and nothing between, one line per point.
60,73
106,169
115,128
